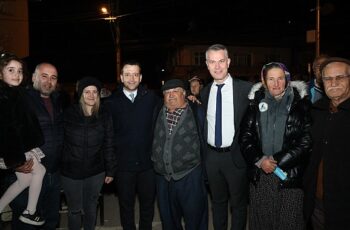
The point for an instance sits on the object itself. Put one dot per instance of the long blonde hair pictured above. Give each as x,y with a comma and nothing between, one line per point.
95,109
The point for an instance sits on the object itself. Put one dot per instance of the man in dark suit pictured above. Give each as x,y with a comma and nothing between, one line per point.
225,100
132,107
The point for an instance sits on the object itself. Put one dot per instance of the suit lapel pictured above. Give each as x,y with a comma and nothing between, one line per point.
205,99
205,95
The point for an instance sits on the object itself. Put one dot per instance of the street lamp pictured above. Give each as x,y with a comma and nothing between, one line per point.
113,20
104,10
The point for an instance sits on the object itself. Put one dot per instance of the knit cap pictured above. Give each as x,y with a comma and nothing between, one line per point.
88,81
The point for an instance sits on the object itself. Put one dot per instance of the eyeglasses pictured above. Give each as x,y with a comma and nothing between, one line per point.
337,78
131,74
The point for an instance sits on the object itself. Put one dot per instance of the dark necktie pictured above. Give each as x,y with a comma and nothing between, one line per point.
218,117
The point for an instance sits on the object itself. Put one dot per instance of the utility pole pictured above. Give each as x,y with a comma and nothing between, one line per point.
318,17
114,23
117,42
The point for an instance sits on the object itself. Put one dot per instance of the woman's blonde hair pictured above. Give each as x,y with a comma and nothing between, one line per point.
95,108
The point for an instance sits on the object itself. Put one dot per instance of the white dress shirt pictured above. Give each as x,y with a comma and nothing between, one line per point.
127,94
228,126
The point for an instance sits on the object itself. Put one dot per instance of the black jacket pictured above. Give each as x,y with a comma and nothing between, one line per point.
88,144
132,124
19,127
331,136
52,128
296,142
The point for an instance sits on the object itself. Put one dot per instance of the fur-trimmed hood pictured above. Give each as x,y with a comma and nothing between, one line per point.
300,86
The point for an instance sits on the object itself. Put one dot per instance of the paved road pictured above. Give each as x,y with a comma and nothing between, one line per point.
111,216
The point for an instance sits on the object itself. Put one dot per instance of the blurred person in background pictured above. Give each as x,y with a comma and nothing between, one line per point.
196,84
316,90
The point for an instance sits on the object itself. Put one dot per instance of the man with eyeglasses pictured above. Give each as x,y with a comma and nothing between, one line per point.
327,197
225,101
132,107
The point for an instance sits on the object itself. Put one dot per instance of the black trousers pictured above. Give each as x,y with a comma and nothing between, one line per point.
228,184
130,184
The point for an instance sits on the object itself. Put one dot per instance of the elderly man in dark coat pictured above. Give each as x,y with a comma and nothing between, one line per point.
327,187
176,153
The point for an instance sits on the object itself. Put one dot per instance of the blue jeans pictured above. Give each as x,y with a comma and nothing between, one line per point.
82,199
186,198
48,204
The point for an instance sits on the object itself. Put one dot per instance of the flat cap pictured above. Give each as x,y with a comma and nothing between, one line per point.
173,83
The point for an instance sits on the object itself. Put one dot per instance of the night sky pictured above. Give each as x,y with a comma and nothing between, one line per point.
72,34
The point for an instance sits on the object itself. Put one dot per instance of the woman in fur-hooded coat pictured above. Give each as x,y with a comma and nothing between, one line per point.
276,133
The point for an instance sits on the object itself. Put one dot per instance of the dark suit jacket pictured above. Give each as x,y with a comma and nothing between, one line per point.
240,103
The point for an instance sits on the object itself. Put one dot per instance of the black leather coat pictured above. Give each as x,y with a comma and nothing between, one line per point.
296,143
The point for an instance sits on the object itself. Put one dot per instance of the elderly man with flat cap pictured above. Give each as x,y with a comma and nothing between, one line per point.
327,187
176,154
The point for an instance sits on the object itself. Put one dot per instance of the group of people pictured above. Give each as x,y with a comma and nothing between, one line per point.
273,154
47,149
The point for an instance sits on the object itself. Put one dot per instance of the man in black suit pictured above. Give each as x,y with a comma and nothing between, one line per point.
132,107
226,101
